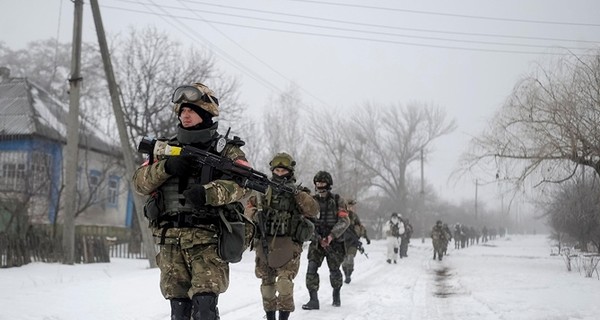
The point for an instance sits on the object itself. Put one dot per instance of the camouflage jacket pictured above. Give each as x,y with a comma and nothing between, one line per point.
148,177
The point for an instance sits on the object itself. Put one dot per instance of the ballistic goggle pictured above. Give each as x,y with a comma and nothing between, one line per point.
192,94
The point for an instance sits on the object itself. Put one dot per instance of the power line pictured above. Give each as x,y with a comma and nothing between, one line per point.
385,26
450,14
348,37
222,53
253,55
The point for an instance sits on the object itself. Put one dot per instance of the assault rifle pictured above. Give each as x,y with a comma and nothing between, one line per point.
243,175
355,240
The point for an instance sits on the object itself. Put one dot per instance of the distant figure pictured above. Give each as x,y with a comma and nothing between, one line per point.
392,230
439,239
448,237
405,238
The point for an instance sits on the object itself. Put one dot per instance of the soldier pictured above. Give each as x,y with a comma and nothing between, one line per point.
393,229
405,237
283,224
439,240
352,242
187,205
328,243
448,237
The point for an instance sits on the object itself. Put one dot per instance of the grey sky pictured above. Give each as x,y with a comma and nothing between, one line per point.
456,67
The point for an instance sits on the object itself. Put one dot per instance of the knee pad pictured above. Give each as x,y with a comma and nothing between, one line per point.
268,291
285,286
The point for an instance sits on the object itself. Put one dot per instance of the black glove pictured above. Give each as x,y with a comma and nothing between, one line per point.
196,195
180,166
368,241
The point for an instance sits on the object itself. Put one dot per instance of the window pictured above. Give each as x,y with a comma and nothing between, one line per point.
13,171
94,183
113,191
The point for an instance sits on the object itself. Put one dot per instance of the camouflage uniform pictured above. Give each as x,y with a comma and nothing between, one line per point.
352,242
439,240
329,244
405,238
192,272
280,216
448,237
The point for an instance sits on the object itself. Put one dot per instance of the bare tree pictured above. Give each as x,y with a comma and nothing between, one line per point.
548,127
149,66
283,130
384,141
575,211
331,140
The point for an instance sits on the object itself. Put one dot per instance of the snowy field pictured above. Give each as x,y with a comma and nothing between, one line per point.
508,278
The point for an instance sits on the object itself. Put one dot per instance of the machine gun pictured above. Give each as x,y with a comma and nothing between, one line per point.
243,175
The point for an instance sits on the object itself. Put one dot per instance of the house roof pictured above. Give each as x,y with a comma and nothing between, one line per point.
28,110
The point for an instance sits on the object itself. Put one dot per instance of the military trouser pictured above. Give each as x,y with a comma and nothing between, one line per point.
348,264
277,284
438,247
190,265
334,254
404,247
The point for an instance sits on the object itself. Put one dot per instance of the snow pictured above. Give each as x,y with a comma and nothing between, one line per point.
508,278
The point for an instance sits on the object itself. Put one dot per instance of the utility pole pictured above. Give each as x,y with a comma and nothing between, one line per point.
72,149
422,198
124,137
476,187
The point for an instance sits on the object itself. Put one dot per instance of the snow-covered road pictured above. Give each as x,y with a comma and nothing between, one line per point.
508,278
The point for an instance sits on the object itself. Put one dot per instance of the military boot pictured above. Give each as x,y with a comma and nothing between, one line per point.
336,298
284,315
205,307
348,276
181,309
271,315
313,303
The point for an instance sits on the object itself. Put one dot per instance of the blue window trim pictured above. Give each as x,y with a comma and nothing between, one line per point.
55,150
115,204
129,212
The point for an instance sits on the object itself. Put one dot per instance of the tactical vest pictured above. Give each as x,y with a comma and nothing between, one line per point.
395,229
176,207
278,212
328,217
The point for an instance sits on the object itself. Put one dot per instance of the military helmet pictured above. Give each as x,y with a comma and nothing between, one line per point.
323,176
197,94
283,160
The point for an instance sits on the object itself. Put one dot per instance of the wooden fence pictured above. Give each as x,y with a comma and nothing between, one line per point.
92,244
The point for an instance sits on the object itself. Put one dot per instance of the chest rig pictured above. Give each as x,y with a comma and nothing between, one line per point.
279,211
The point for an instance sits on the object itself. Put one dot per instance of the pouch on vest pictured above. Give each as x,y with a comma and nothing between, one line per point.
154,206
281,251
234,236
302,228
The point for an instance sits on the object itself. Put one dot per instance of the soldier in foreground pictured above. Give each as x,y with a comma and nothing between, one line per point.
187,205
284,225
328,243
352,242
